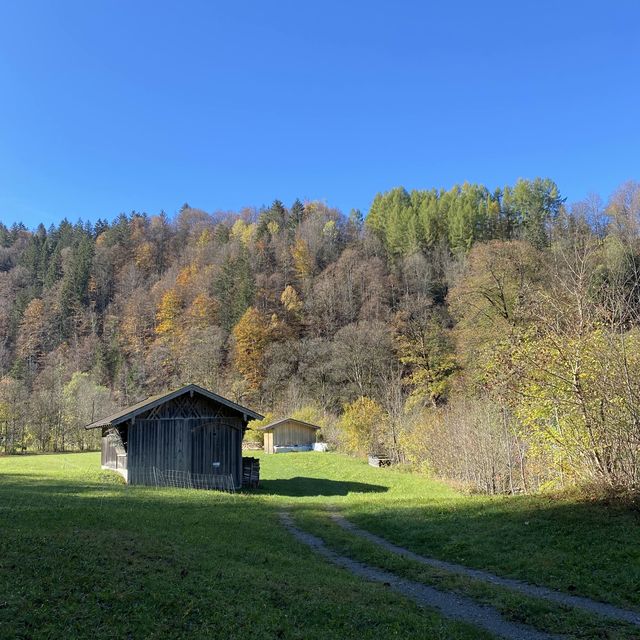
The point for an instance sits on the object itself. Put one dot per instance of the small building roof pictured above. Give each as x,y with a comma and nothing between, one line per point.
272,425
145,405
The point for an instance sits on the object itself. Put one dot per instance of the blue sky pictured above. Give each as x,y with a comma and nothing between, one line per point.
109,106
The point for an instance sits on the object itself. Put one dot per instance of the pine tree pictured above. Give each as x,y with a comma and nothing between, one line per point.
296,214
234,289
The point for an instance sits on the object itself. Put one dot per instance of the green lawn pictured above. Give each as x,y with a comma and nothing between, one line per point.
82,555
577,547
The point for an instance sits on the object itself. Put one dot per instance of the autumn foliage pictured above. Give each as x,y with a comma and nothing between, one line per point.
489,336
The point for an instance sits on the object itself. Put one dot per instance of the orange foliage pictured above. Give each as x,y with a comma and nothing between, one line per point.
203,311
186,276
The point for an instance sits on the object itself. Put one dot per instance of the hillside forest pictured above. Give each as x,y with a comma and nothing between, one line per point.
490,337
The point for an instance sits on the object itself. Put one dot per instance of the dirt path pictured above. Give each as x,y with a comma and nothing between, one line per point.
450,605
600,608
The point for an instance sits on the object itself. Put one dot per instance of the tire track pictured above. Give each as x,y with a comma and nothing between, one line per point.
579,602
450,605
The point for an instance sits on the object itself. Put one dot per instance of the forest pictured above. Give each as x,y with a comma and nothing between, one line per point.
489,337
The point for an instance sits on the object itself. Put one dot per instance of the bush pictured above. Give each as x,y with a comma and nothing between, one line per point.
252,435
363,427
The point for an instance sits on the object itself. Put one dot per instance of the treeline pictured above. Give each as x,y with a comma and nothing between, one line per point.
456,219
490,337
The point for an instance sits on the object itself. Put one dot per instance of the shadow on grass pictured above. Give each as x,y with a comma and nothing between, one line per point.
579,548
132,562
301,486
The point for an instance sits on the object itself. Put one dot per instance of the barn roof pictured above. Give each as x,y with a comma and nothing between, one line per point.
145,405
272,425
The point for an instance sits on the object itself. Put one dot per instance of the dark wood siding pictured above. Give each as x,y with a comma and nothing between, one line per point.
210,445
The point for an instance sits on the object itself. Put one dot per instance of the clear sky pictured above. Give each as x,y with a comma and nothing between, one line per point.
110,106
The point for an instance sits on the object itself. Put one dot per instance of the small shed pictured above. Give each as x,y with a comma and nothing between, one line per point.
289,434
186,437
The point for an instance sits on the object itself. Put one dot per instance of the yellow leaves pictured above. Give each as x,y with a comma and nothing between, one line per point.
253,434
493,296
293,306
238,229
145,256
424,344
273,227
204,239
252,335
573,395
330,230
362,425
312,414
167,314
33,313
137,226
302,261
203,311
200,313
269,417
186,276
311,208
32,329
290,300
244,232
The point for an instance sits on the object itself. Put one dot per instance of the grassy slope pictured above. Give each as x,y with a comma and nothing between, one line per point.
82,555
541,614
580,548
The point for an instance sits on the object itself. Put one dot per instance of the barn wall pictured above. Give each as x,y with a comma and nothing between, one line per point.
217,443
291,432
185,444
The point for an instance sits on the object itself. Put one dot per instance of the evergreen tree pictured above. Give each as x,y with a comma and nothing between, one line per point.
75,280
533,204
272,220
296,214
234,289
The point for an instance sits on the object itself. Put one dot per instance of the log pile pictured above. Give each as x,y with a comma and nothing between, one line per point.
250,472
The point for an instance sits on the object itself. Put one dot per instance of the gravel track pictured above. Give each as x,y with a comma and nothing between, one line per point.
450,605
579,602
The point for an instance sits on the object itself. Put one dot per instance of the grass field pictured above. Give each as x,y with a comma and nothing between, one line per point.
82,555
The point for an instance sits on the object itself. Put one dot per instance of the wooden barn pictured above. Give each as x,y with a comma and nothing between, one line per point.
289,434
184,437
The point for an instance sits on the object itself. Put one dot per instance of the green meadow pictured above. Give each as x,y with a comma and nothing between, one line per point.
82,555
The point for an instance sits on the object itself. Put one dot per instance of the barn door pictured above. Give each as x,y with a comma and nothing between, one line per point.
215,446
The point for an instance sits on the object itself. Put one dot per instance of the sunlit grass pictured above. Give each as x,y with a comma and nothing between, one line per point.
574,546
82,554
